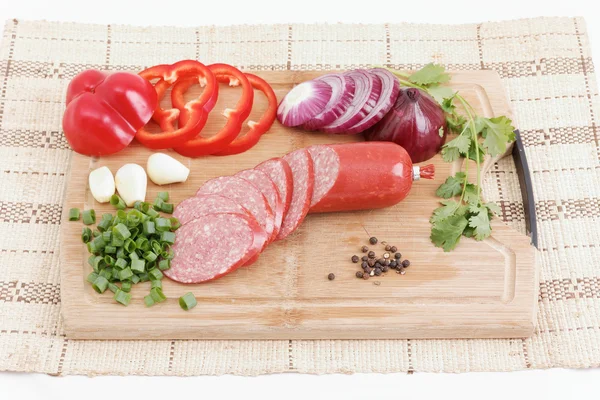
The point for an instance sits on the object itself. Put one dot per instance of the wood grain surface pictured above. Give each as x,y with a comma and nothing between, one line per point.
480,290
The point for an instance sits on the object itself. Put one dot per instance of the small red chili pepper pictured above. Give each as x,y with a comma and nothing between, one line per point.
200,146
252,137
197,110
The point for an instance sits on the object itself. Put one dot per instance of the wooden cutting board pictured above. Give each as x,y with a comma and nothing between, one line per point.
480,290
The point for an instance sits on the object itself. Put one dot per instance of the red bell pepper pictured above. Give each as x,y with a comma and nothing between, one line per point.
247,141
200,146
104,111
197,110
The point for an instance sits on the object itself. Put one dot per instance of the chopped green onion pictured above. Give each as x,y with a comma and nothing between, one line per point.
143,277
125,274
148,301
112,287
104,224
115,275
99,263
164,265
107,217
167,208
110,250
158,203
134,217
152,213
107,236
155,274
121,231
106,272
138,266
121,217
150,265
100,284
162,224
168,255
167,237
148,228
155,283
121,263
175,224
157,295
126,286
117,202
121,252
150,256
129,246
91,260
156,247
144,218
92,277
96,233
134,232
187,301
135,279
109,260
164,196
145,207
133,256
122,297
74,214
142,243
99,243
86,235
138,205
89,217
117,242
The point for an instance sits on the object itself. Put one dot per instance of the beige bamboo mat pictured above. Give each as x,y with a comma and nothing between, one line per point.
546,67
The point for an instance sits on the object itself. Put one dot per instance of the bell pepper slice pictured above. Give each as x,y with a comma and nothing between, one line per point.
200,146
265,122
196,110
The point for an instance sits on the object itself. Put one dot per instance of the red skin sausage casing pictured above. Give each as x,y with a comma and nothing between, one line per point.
370,175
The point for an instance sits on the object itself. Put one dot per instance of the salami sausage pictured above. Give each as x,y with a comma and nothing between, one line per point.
197,206
269,190
281,174
303,176
214,245
245,194
368,175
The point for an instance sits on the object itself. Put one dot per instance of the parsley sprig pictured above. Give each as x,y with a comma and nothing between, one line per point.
463,212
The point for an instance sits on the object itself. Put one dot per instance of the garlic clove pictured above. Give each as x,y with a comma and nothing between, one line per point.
102,184
131,181
164,169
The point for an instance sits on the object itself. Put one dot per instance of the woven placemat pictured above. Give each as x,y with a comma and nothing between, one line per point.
548,73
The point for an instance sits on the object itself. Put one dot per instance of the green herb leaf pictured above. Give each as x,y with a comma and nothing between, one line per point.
497,133
450,154
472,194
430,74
494,208
452,187
446,233
481,224
449,208
461,142
440,93
441,131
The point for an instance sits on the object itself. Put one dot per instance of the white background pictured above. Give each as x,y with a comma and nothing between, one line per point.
546,384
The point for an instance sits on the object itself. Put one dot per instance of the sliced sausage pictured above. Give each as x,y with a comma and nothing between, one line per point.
370,175
197,206
263,182
214,245
245,194
280,172
327,166
303,177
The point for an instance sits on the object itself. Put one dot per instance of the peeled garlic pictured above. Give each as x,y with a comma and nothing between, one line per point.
102,184
131,183
164,169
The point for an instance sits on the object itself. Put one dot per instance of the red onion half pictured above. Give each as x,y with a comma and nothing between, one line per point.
343,92
389,94
414,123
368,90
303,102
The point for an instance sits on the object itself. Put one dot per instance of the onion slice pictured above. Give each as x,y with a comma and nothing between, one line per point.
343,89
368,90
389,93
303,102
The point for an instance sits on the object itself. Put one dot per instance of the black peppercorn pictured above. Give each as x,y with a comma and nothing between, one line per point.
385,268
397,256
381,261
368,270
377,265
355,259
364,264
393,264
387,263
393,249
364,249
359,274
388,247
377,271
331,276
406,263
371,262
365,276
373,240
371,254
364,258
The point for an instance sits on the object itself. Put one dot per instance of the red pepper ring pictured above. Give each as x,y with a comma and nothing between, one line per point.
265,122
200,146
196,109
